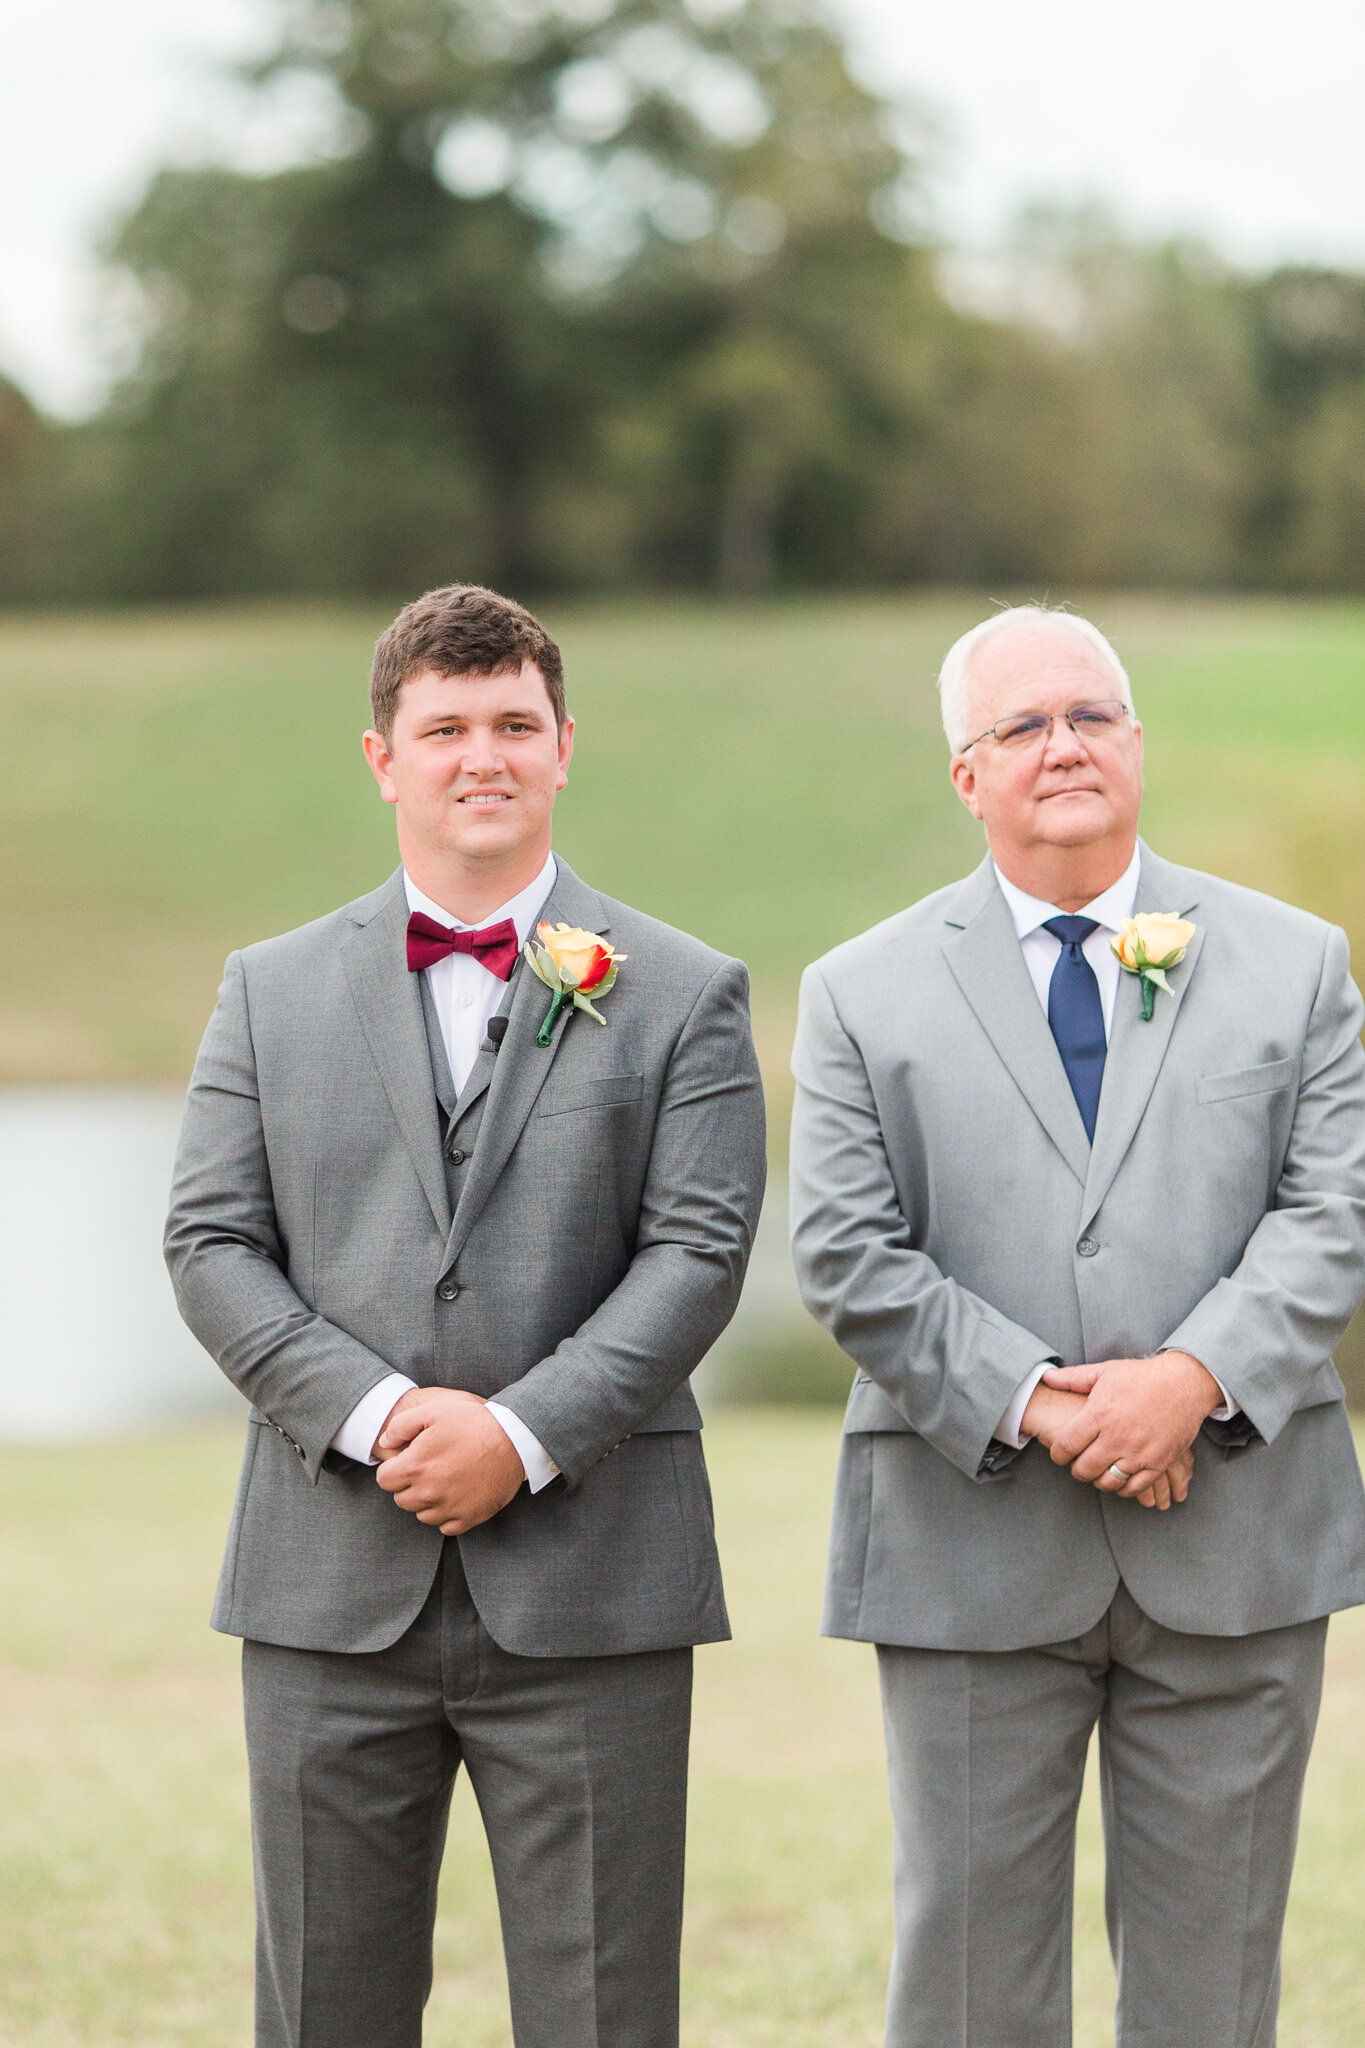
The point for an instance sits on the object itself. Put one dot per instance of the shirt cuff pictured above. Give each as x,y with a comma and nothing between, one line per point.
355,1438
539,1466
1009,1428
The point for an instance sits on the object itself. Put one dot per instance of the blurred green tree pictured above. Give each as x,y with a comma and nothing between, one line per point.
579,292
24,448
1092,414
1306,524
602,293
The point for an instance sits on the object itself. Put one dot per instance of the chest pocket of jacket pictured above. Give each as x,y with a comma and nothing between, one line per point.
601,1091
1263,1080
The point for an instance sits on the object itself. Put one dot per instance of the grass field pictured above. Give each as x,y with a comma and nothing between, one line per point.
125,1907
771,777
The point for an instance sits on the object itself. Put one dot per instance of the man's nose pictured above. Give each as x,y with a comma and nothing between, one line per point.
1063,749
481,754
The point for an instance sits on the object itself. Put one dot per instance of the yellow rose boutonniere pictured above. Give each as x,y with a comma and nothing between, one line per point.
574,965
1147,946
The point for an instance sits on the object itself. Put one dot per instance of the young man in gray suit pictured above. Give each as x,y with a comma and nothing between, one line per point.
460,1244
1090,1235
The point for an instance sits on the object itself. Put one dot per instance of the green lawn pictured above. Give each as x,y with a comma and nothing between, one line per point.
770,776
125,1910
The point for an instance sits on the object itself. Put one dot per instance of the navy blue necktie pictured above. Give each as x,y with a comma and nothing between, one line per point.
1076,1015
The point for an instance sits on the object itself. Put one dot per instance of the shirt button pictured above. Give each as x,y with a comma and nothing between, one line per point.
448,1291
1087,1247
455,1156
465,1002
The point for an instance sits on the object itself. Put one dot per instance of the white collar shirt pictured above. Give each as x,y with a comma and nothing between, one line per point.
1041,950
465,994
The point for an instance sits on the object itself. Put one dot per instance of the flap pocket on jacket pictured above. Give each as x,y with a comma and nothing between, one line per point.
1265,1080
602,1089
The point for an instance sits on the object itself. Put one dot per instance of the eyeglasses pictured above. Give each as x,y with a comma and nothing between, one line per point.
1088,721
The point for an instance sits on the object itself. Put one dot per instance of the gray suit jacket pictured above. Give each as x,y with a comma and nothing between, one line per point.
577,1258
952,1227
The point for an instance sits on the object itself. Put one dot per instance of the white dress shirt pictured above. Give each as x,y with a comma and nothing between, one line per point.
466,997
1041,950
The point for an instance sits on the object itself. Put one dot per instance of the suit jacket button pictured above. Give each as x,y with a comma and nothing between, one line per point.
455,1156
449,1291
1087,1247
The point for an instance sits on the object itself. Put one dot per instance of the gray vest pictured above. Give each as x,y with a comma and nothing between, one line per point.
461,1122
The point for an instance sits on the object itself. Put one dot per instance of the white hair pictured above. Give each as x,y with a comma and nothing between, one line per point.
953,676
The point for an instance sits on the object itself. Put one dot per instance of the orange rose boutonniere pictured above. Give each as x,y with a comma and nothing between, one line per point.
1147,946
575,966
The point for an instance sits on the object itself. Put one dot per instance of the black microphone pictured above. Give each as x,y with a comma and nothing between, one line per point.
497,1031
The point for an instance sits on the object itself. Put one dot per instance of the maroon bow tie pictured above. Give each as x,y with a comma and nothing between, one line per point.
495,947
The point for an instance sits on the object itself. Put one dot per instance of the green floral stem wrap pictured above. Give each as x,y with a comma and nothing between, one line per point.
560,1000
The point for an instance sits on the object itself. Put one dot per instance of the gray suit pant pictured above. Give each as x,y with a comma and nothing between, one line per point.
1203,1745
579,1766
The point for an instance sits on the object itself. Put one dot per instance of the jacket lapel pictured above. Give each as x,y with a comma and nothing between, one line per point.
521,1068
1137,1048
388,1002
436,1047
984,956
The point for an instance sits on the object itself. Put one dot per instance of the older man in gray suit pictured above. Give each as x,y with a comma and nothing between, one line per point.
1052,1205
430,1213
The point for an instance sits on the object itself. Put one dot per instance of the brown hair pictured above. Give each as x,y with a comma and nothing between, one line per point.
463,630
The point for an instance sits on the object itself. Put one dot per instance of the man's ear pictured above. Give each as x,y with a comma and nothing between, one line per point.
565,753
380,760
963,776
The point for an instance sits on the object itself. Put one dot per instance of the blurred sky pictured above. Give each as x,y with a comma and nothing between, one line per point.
1238,119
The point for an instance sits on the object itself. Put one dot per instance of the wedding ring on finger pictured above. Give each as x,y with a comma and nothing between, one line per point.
1119,1473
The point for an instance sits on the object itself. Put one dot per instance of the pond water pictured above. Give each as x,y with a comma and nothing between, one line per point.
90,1340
